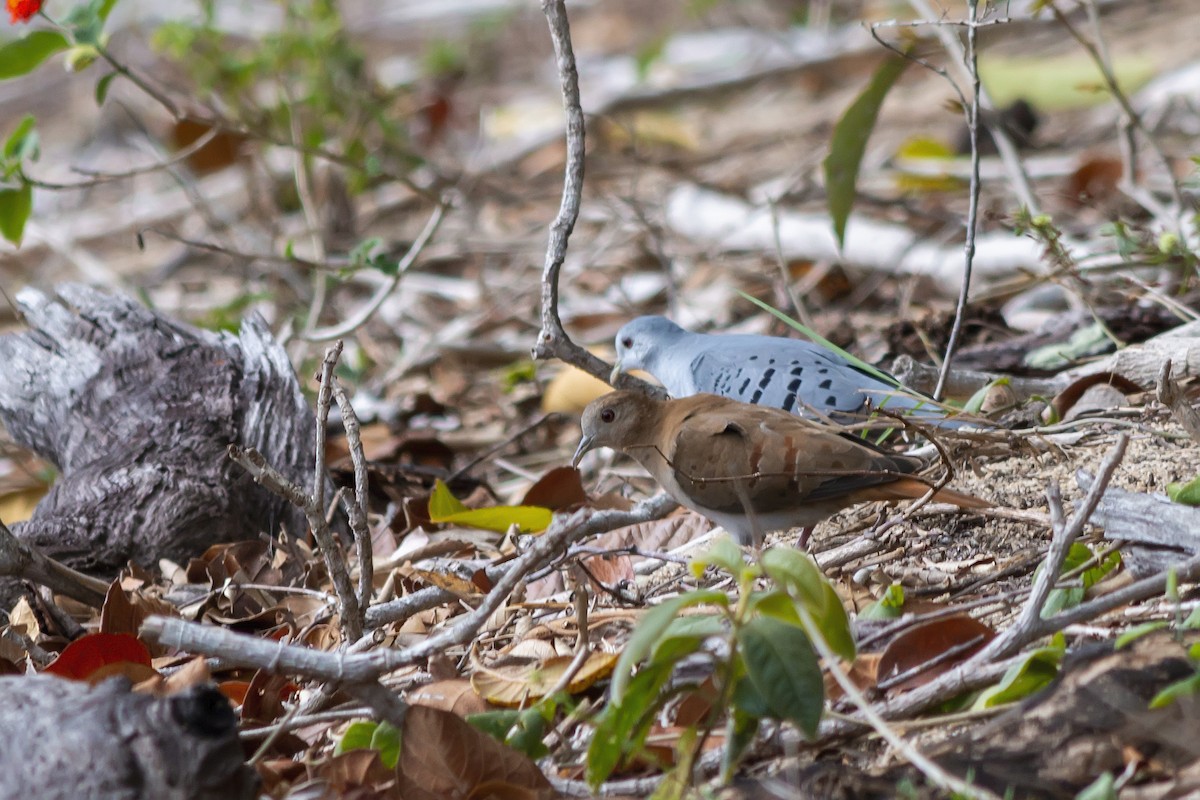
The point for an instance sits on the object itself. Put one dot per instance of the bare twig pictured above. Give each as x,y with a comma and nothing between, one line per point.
1004,145
356,503
553,341
972,65
1030,625
385,289
1132,120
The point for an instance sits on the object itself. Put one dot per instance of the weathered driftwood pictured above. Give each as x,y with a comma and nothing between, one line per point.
136,411
66,739
1160,533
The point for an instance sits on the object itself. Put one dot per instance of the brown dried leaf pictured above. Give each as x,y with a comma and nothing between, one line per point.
558,490
443,756
922,643
455,695
353,769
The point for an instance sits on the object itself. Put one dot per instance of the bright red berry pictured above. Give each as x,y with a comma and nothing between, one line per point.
22,10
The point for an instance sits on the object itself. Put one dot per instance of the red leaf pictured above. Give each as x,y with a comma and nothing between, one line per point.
89,653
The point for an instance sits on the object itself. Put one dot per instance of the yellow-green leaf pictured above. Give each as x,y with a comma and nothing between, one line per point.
444,507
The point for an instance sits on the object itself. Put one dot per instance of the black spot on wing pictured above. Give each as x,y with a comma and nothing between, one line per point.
763,382
790,400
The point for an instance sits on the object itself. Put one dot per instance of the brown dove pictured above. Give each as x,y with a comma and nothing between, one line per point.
751,469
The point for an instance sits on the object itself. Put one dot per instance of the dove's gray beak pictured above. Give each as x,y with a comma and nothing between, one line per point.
616,373
585,444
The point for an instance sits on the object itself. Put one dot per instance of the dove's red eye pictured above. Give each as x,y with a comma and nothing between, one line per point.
627,342
607,415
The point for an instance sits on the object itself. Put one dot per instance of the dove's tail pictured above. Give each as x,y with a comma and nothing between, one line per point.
911,489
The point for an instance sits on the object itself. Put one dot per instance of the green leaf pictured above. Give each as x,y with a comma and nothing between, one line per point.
795,572
652,627
723,553
850,142
386,739
80,57
444,507
1184,688
1060,599
357,737
782,665
102,87
1103,788
529,731
105,8
1186,493
22,143
834,625
497,723
368,735
622,727
1193,620
85,23
15,207
27,53
890,606
1035,671
741,730
1138,631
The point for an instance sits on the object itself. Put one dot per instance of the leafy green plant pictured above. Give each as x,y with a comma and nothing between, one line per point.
769,669
320,92
80,35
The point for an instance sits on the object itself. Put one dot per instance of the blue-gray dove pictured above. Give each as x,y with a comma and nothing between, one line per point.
790,374
752,469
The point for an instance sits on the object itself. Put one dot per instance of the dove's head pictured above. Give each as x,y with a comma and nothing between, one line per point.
640,341
617,420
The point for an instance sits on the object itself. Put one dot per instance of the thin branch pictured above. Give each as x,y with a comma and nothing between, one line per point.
1004,145
1030,625
20,560
553,341
1132,118
972,64
352,668
356,502
368,309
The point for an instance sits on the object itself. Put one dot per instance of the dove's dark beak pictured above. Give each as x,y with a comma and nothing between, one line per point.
585,444
616,373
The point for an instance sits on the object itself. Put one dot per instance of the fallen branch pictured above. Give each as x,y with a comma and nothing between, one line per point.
349,669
